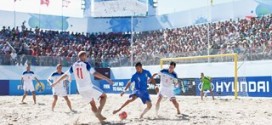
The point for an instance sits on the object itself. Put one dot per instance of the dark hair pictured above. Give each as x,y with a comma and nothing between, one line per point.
173,64
138,64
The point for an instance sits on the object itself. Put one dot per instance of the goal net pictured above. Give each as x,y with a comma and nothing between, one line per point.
222,69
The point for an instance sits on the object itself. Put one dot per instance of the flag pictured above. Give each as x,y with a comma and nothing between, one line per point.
46,2
65,3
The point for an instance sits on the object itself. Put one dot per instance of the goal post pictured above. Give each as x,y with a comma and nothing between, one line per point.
234,59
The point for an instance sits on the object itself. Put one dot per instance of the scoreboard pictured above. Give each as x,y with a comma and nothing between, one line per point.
119,8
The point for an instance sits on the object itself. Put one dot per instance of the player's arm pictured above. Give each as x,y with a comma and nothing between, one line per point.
210,79
100,76
64,76
38,81
97,74
49,80
151,79
154,75
127,86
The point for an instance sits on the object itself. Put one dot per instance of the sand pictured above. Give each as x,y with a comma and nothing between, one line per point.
222,111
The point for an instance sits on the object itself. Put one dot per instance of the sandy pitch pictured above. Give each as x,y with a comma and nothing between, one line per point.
226,111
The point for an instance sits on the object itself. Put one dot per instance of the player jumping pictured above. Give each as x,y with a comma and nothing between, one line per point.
27,82
59,90
140,78
82,70
206,85
167,79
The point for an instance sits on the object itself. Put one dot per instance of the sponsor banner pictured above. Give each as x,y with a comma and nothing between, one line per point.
16,88
184,87
247,86
117,87
4,89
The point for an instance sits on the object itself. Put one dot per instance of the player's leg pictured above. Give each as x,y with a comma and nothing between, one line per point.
54,102
95,111
103,99
176,104
211,93
134,97
68,102
99,94
146,100
158,103
34,96
148,107
202,94
24,96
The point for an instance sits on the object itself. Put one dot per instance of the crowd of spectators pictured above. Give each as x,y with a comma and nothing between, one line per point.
251,38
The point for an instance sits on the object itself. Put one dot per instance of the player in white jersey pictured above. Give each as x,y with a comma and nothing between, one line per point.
82,70
168,78
27,82
60,89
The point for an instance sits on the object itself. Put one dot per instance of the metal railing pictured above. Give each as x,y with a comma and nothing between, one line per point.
247,55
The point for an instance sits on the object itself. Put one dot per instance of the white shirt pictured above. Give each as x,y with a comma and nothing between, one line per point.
28,76
55,76
82,71
167,79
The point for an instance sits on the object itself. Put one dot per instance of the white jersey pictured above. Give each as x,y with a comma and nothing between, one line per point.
54,77
167,79
28,77
82,71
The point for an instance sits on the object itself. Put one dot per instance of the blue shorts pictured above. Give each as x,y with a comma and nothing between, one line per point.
143,95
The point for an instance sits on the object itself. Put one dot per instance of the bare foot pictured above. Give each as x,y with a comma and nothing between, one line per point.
178,112
73,111
23,103
115,111
104,118
100,117
141,116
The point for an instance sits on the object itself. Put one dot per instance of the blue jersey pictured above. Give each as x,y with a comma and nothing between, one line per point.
140,80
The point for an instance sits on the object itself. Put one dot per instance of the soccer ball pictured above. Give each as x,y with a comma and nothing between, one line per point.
123,115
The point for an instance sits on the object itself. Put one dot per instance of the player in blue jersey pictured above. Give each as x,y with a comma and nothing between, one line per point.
140,79
89,92
168,78
60,89
27,82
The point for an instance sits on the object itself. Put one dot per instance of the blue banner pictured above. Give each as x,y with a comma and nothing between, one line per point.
117,87
247,86
16,88
4,89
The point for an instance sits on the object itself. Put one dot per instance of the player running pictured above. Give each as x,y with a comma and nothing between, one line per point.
82,70
60,89
27,83
168,78
206,85
140,78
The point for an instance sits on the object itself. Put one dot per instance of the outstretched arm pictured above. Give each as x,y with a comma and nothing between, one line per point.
49,80
60,79
98,75
152,80
127,86
37,80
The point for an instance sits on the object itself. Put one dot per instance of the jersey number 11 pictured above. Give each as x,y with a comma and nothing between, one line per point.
79,73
